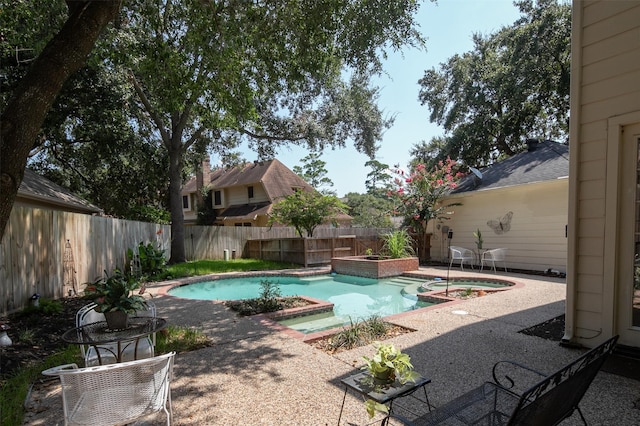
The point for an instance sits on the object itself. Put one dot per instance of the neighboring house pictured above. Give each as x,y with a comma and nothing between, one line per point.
604,189
39,192
244,195
519,203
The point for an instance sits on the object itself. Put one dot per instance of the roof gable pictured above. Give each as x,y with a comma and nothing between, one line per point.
36,188
547,161
277,179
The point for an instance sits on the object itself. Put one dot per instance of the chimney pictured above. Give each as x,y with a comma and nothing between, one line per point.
532,144
201,175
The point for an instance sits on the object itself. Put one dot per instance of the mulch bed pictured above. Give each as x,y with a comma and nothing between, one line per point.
552,329
36,335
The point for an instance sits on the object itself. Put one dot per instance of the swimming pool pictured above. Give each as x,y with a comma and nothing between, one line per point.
354,298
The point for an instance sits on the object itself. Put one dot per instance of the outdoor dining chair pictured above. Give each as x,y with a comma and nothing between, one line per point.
144,348
115,394
463,255
493,256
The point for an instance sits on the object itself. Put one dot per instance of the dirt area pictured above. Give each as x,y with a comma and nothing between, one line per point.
552,329
36,335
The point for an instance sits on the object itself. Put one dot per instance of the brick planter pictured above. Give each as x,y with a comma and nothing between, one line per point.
367,266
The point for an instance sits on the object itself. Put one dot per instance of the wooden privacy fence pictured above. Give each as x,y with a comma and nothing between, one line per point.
53,252
303,251
210,242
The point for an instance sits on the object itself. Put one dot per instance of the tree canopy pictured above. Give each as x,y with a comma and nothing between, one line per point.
207,75
306,210
25,107
313,171
513,85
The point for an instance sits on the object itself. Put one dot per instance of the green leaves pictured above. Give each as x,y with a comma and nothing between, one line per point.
418,193
305,210
114,293
513,85
398,244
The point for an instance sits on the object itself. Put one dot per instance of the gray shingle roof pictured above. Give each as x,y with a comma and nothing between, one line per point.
547,161
37,188
276,178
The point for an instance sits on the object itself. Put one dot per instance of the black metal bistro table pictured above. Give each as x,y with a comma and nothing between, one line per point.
99,334
363,384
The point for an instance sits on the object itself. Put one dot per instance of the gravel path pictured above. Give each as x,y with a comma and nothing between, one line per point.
254,375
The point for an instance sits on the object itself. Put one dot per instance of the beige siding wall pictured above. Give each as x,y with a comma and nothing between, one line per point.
605,84
536,240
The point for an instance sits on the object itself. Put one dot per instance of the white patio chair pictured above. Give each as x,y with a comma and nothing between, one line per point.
493,256
145,346
115,394
463,255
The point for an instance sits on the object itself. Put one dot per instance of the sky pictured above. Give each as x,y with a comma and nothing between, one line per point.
448,27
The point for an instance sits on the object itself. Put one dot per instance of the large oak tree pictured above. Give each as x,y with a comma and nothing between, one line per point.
209,74
25,111
513,85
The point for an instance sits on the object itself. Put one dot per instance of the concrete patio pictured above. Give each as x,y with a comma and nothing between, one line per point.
254,375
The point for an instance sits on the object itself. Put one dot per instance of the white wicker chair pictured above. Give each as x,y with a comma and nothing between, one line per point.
493,256
115,394
463,255
145,347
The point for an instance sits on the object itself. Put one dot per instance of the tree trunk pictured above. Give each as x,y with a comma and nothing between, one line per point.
178,254
21,120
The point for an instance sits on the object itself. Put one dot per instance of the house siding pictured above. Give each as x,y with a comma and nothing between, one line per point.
605,84
536,240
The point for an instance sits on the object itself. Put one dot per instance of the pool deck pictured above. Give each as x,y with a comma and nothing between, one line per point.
255,375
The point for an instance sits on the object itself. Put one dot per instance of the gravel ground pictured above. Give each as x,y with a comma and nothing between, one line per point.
254,375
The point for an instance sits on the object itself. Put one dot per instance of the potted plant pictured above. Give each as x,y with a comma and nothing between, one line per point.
479,240
386,366
397,244
113,295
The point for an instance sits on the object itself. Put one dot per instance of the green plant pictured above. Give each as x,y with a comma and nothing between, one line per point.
147,261
479,240
359,333
115,293
368,252
398,244
27,336
50,306
387,365
14,390
418,194
269,296
180,339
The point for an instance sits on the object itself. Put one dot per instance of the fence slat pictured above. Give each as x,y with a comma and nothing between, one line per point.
51,252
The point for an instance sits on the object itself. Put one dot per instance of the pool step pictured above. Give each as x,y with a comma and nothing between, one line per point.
313,323
402,282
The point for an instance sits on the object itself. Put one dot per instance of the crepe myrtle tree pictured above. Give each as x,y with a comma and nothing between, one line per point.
417,194
305,210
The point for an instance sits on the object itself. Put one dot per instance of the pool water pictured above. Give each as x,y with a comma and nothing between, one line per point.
354,298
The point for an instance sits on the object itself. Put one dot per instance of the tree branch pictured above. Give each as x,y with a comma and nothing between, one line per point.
166,138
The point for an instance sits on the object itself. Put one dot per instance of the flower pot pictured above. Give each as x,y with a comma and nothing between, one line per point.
384,377
117,320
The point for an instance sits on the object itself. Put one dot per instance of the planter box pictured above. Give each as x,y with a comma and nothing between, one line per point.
366,266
